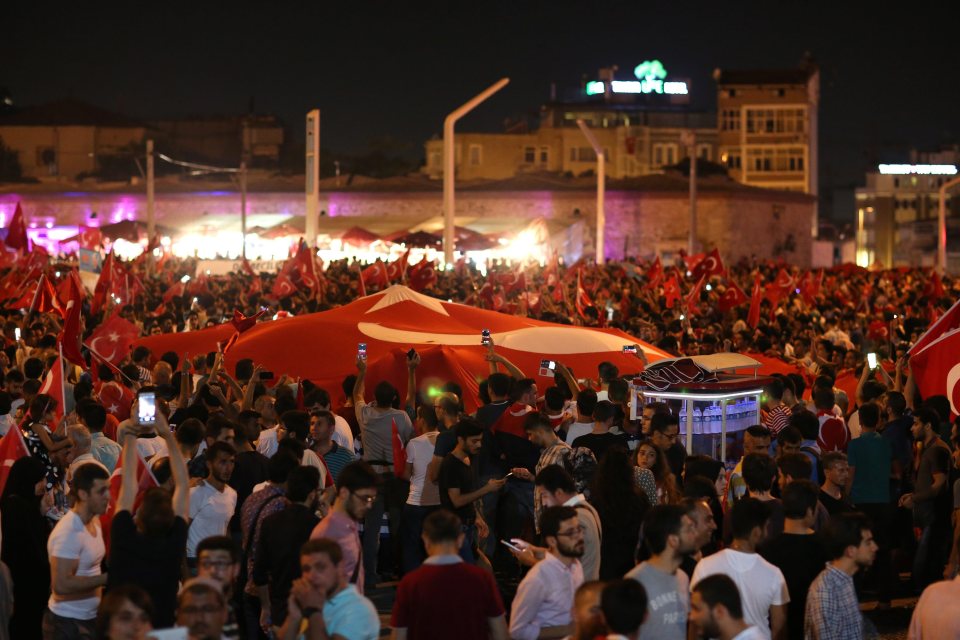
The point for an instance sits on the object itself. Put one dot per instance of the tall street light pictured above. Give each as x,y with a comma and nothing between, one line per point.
942,225
448,164
601,186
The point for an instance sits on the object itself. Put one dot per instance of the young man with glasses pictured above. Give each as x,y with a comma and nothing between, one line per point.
544,598
665,435
356,493
218,561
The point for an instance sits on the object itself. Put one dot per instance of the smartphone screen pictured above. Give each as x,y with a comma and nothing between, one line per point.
147,407
629,348
16,333
362,350
485,337
511,546
872,360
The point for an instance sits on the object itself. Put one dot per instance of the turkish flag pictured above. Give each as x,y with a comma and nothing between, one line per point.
65,288
103,286
878,331
753,316
306,268
399,449
45,298
551,275
583,299
397,268
422,275
710,265
671,291
17,232
53,387
90,238
512,282
176,291
145,481
654,273
947,322
199,285
692,261
112,339
375,275
12,448
936,369
934,288
732,297
117,399
694,296
242,322
283,286
69,337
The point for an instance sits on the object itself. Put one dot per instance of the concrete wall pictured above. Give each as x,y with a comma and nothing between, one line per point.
75,149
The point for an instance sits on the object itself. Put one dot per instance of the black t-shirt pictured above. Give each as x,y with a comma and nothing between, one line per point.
600,442
835,506
152,563
249,470
800,558
488,462
454,474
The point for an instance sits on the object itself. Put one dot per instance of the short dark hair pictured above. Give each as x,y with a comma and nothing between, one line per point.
789,435
618,390
869,415
586,402
720,589
660,422
607,371
940,404
896,402
759,431
806,423
535,421
844,530
624,605
796,465
799,497
301,481
928,416
317,396
220,543
425,412
831,458
748,514
243,370
93,414
217,448
604,410
297,423
759,471
441,526
113,602
190,432
521,387
33,368
872,390
281,464
553,477
498,384
140,353
774,389
799,384
384,393
467,428
358,475
325,546
703,466
86,474
661,522
347,385
824,398
217,424
551,518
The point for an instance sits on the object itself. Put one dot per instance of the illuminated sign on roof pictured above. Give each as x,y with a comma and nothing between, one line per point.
918,169
651,78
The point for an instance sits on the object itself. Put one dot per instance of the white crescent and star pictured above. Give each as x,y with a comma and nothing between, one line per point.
952,378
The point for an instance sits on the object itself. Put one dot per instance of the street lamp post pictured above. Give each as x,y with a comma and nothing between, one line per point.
942,225
448,164
601,186
689,139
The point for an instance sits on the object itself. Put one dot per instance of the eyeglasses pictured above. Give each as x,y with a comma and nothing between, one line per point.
576,531
367,499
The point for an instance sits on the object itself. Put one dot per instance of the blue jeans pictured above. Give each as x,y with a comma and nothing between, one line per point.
931,555
411,526
469,542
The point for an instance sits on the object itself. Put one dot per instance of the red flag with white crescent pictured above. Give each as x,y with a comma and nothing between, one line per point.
145,481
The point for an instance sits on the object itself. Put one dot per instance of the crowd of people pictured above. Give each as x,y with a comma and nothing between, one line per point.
261,509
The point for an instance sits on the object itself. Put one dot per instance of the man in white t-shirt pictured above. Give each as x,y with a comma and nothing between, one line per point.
763,589
424,496
76,551
586,403
319,400
212,502
716,611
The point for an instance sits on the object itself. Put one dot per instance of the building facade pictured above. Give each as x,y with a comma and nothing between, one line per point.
898,210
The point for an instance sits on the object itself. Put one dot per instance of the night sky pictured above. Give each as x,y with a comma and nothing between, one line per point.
388,72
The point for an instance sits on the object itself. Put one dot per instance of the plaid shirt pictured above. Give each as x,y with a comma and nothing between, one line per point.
833,611
579,462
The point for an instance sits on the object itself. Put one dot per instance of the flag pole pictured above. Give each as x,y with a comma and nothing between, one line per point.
63,382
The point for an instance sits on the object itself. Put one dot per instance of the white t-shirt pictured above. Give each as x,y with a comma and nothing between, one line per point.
423,493
151,447
761,584
267,442
342,434
70,540
578,429
210,511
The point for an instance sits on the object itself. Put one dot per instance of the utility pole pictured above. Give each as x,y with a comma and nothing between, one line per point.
689,139
449,167
151,216
313,176
601,187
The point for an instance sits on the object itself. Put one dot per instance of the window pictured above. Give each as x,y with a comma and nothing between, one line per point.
773,121
583,154
658,155
529,155
544,155
730,120
476,155
704,151
776,159
664,154
671,154
731,93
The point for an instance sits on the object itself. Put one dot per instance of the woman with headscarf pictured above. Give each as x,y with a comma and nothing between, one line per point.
24,550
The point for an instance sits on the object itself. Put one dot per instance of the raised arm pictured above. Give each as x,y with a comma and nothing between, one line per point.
185,378
412,365
250,389
128,465
358,386
571,381
178,469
